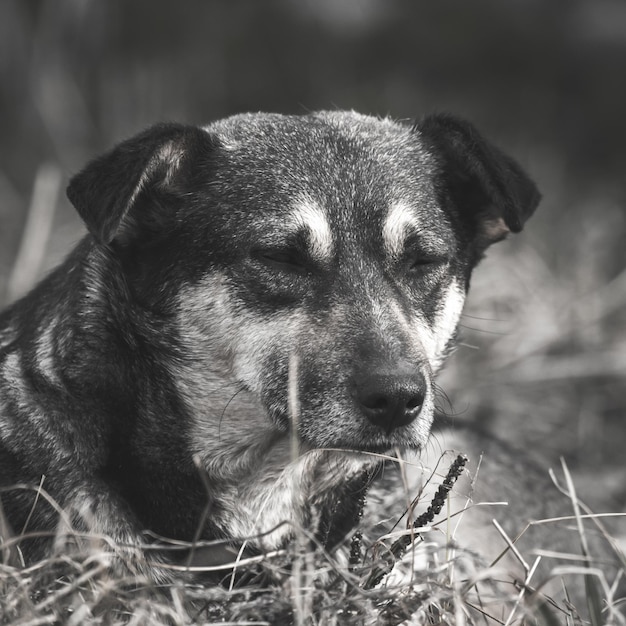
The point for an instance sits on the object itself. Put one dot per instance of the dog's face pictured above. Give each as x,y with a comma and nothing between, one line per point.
312,269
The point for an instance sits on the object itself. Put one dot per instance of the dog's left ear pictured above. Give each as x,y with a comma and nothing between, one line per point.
110,193
489,189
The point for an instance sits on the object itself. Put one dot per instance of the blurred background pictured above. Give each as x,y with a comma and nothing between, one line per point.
543,356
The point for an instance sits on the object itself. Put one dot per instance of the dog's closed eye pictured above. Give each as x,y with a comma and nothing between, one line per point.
416,263
288,259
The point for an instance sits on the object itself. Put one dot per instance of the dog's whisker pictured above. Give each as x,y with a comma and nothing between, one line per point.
223,413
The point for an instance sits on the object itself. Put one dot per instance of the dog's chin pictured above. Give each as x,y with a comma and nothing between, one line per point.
375,448
378,445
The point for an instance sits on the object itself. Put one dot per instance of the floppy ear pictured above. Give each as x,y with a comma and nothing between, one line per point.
488,188
108,191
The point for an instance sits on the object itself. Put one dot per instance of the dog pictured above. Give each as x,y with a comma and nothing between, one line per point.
258,311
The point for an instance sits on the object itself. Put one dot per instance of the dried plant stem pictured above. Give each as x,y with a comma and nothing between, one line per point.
398,548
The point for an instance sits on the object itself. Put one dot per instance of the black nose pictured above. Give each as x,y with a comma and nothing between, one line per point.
391,399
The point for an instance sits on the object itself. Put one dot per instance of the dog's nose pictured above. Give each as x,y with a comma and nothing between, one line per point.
391,400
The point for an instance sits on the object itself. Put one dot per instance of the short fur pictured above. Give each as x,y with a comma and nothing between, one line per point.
259,304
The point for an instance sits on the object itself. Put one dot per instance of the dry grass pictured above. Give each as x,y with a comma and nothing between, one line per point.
81,584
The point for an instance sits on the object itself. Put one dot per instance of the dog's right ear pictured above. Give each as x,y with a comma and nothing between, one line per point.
491,192
108,191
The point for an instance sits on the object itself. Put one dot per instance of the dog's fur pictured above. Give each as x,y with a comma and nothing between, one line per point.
258,305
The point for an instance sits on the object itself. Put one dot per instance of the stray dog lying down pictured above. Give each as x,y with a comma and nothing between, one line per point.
259,306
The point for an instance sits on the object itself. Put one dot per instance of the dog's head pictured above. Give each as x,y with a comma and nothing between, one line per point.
312,269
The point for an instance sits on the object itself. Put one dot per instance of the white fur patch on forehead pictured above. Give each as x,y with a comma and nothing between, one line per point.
400,221
309,217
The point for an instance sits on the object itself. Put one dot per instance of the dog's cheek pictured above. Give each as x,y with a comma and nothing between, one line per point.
265,345
436,332
273,386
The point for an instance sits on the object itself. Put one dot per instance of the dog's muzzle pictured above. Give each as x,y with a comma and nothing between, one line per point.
390,397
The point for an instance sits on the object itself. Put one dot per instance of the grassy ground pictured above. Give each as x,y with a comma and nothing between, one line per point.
83,583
